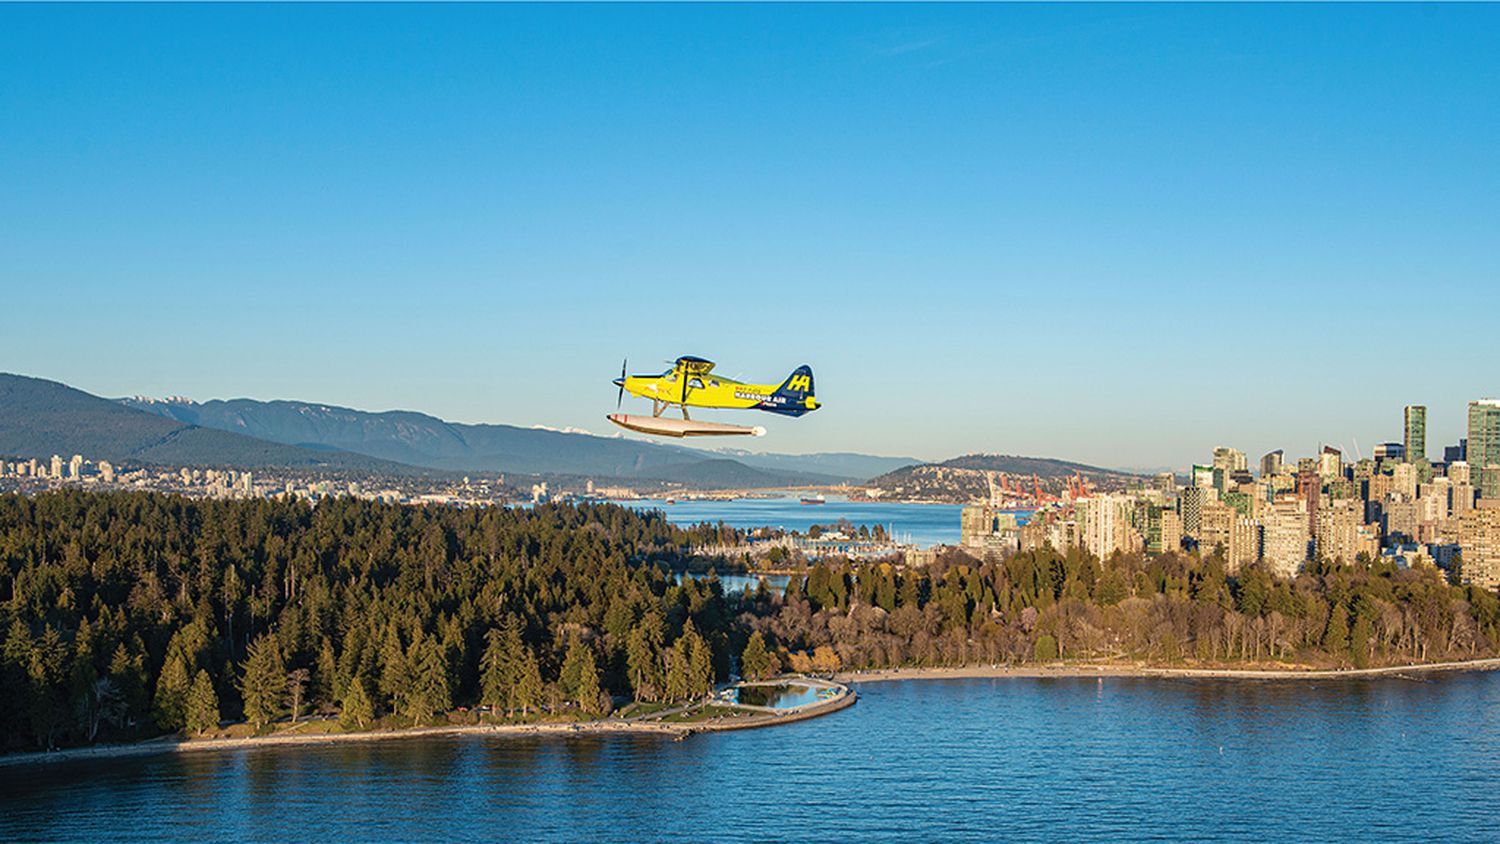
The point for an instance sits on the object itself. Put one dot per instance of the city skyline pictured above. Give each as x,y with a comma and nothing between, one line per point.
1121,236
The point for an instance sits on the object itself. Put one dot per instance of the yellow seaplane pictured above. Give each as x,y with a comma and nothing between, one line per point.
691,383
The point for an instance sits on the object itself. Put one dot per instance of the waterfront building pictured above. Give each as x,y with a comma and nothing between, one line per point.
57,470
1414,425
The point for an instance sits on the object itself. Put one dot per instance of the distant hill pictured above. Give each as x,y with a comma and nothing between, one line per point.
422,440
966,478
39,418
842,464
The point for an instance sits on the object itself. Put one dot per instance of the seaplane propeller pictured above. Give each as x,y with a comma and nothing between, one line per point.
621,397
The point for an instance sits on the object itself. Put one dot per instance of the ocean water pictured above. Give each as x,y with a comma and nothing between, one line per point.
922,524
1387,759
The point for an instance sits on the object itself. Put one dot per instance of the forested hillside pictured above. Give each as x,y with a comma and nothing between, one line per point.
130,614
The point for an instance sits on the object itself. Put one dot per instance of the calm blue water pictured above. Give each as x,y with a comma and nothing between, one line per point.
977,760
739,583
777,697
923,524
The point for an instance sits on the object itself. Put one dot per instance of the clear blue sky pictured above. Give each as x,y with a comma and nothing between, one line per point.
1116,234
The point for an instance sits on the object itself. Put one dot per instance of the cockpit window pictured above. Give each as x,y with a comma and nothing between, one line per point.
695,383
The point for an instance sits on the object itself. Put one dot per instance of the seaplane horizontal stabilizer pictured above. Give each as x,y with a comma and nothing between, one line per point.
683,427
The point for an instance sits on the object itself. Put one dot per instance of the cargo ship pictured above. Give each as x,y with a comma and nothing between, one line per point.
814,499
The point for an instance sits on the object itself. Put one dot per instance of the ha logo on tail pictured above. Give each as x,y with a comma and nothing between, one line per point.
691,383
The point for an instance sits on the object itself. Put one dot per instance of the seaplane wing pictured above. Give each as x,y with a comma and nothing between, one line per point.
691,383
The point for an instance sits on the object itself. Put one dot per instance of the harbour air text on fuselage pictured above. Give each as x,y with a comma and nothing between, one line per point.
691,382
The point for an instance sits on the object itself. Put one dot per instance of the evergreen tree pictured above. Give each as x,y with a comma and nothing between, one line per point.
497,676
588,693
130,679
529,687
579,679
169,709
395,671
325,677
1359,641
1336,635
202,705
357,711
643,658
679,684
757,662
263,685
428,693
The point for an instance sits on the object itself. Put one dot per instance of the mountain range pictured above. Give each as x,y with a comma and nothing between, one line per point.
40,418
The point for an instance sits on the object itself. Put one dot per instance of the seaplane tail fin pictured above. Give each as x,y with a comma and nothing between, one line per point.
795,395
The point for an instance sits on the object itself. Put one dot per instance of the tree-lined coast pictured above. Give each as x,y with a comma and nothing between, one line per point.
128,616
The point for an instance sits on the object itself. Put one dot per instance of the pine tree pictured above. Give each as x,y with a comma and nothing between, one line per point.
678,683
757,662
497,674
395,670
529,686
699,661
583,673
1359,641
325,677
1336,636
357,711
643,658
264,683
428,694
568,677
202,705
169,709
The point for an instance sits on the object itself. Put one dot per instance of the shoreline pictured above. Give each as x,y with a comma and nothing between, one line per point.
1118,669
677,731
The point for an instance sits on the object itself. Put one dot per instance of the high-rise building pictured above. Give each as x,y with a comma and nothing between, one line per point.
1389,451
1415,427
57,464
1104,525
1479,547
1163,531
1203,476
1230,460
1330,463
1286,535
1190,503
1270,464
1341,533
1483,451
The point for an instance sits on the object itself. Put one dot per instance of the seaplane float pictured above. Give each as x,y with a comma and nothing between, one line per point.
691,382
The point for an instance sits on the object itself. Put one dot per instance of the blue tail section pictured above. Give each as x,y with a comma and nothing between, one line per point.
795,395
